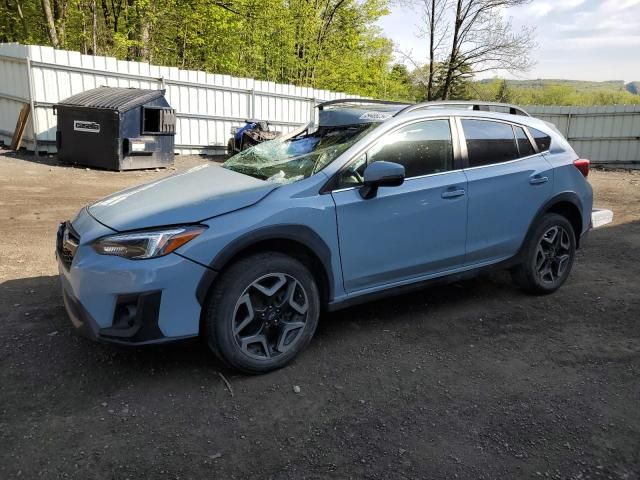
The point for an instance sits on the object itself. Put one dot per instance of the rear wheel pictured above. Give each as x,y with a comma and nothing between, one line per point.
262,312
548,255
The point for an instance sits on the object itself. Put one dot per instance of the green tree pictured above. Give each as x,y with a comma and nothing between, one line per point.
504,93
332,44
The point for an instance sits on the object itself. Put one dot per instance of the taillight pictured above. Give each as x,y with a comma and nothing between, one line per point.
582,164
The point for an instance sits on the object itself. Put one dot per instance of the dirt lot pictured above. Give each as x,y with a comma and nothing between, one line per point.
472,380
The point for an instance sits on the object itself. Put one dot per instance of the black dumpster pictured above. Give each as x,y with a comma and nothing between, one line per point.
116,129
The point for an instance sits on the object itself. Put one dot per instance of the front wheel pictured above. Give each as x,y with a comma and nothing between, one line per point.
262,312
548,255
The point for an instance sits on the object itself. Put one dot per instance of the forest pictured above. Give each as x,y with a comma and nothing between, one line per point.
327,44
330,44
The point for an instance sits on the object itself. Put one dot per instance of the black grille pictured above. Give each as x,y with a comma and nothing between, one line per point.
67,243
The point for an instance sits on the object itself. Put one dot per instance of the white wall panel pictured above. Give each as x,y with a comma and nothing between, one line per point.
207,105
14,90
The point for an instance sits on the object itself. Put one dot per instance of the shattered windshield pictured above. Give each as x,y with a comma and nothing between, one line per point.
291,159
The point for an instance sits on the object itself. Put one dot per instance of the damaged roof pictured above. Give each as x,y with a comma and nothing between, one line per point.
356,111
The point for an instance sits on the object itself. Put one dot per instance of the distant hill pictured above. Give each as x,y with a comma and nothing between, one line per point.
578,85
557,92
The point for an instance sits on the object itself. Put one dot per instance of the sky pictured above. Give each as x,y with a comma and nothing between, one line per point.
577,39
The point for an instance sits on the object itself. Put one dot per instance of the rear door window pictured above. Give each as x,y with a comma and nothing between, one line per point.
524,145
489,142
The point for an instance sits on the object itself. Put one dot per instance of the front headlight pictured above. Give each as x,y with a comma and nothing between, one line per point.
148,243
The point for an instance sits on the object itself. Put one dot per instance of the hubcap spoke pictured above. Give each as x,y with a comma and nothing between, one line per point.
281,346
541,256
547,272
270,291
565,243
550,236
246,301
253,340
291,287
563,261
297,301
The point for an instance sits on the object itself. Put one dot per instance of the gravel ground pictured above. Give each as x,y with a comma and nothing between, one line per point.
471,380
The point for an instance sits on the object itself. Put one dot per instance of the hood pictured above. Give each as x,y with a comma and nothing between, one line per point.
202,192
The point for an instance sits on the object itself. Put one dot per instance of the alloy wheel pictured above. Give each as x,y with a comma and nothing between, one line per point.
553,255
270,316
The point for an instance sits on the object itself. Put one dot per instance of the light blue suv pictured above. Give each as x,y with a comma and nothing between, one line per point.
371,199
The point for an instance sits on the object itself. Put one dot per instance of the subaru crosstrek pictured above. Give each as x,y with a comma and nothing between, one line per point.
367,200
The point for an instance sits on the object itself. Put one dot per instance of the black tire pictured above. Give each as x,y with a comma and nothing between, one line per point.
244,288
548,255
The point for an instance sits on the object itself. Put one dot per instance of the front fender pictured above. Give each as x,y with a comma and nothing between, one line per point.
301,234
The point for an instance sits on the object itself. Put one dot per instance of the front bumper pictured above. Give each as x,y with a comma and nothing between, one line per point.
130,302
139,329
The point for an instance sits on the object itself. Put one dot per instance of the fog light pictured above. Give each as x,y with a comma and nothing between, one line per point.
125,315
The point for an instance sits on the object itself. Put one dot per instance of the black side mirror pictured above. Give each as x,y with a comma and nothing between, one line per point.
381,174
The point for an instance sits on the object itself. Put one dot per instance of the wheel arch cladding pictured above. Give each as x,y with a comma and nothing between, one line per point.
571,212
568,205
298,241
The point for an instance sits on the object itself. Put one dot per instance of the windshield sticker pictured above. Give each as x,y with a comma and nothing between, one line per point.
375,116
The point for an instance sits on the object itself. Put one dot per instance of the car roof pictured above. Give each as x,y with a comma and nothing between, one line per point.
354,116
348,112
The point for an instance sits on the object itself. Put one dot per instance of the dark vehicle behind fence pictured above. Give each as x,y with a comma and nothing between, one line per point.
251,133
116,129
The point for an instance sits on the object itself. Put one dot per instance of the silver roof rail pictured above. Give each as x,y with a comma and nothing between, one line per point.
321,106
471,105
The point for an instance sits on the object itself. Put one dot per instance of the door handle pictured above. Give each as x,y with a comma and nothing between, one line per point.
458,192
538,180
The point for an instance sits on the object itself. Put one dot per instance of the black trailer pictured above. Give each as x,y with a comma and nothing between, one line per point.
116,129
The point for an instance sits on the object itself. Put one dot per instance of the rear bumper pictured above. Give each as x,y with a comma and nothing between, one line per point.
601,217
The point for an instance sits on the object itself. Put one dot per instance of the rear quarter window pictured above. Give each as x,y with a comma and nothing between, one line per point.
524,145
542,139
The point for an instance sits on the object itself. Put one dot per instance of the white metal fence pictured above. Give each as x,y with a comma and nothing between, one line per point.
207,105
